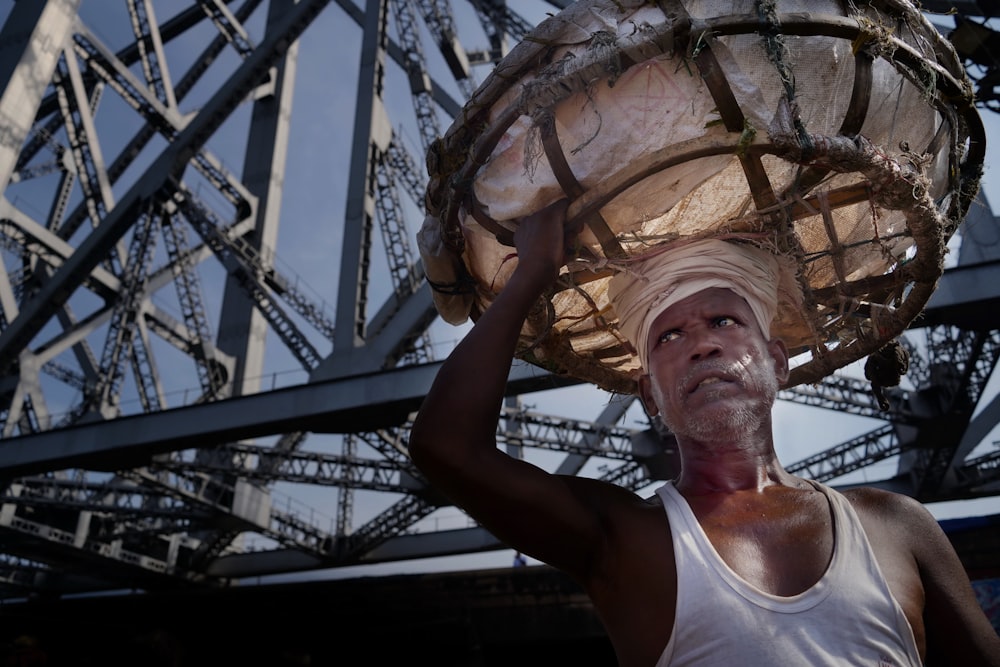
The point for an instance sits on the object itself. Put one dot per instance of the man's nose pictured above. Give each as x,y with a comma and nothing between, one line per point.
705,345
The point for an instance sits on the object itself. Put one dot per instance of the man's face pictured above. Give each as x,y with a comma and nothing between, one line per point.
712,374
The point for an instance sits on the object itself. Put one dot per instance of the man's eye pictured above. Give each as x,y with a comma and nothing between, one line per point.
668,336
725,321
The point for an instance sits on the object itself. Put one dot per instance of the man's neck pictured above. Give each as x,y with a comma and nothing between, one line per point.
728,467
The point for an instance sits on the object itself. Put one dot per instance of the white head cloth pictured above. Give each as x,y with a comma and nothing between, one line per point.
653,284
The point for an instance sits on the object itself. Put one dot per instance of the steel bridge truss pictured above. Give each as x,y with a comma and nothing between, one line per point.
142,299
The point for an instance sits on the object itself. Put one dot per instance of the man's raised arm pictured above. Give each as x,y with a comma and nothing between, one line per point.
453,439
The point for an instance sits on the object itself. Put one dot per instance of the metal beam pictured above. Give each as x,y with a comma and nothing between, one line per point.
967,297
241,324
33,38
401,547
372,132
358,403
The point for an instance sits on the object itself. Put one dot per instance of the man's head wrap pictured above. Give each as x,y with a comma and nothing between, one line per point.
653,284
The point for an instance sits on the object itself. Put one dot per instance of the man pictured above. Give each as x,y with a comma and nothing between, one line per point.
736,562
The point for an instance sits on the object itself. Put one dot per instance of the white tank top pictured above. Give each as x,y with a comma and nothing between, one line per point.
849,617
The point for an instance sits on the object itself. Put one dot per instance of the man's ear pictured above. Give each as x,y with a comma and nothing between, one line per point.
646,394
779,352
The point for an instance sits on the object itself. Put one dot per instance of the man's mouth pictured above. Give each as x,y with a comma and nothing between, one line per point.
707,381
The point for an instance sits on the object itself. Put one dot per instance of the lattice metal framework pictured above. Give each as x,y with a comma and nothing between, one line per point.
181,200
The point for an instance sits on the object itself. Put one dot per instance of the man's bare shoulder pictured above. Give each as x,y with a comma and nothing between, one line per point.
941,606
873,504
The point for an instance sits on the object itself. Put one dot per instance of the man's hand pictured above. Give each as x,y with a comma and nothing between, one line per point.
544,242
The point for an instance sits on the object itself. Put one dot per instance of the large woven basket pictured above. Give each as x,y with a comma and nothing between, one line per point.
847,140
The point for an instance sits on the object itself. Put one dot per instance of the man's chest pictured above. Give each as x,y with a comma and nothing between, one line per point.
782,545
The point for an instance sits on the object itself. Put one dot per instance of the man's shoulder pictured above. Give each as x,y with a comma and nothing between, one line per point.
879,504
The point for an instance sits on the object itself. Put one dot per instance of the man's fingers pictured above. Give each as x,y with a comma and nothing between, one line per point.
557,210
574,226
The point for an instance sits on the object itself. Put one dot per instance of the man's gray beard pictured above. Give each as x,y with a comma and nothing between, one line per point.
735,420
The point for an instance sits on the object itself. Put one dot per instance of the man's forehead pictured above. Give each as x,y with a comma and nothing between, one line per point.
707,298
